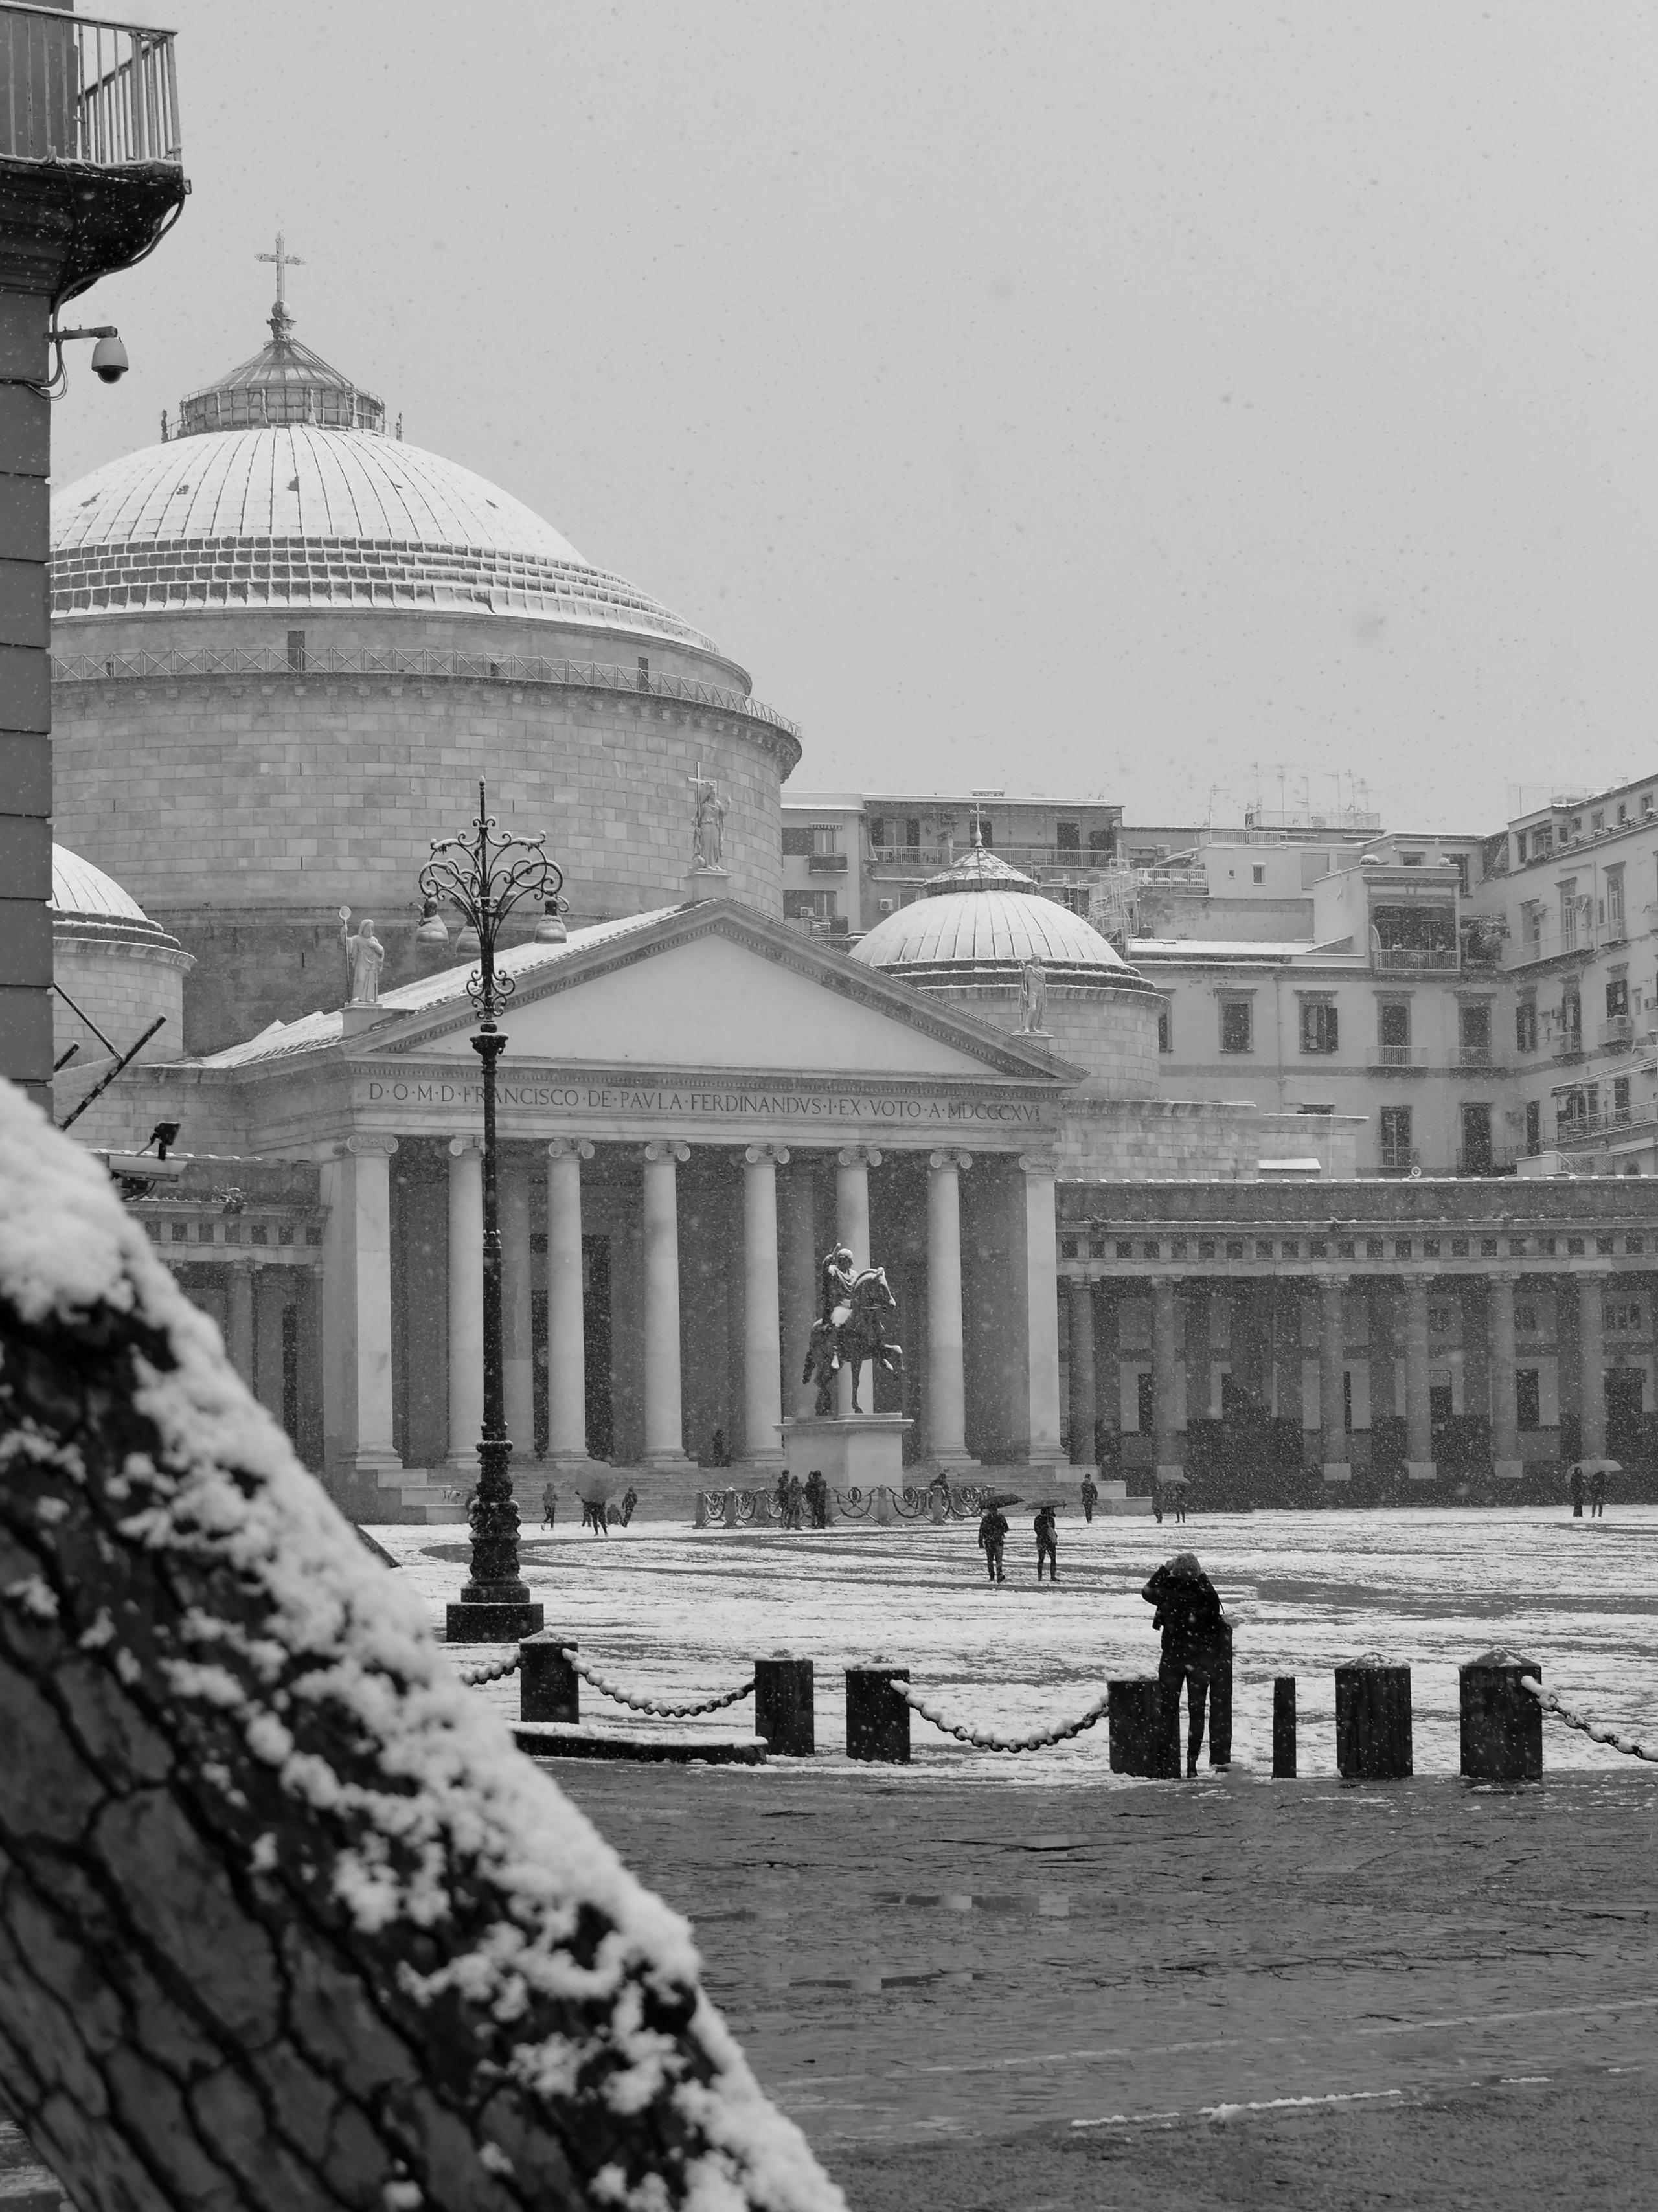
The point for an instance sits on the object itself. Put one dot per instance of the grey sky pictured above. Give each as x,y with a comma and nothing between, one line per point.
1093,399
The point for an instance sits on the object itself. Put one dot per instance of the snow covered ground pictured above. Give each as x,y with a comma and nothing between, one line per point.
677,1614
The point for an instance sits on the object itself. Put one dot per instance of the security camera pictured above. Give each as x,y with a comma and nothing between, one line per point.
109,358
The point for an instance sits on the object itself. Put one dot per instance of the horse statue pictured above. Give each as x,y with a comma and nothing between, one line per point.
857,1332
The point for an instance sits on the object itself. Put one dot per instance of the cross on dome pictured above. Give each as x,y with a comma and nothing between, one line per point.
281,321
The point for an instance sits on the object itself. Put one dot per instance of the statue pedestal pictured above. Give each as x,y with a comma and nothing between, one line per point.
856,1451
354,1019
708,883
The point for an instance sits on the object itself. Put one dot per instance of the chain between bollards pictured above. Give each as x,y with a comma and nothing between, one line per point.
493,1671
657,1706
982,1739
1630,1746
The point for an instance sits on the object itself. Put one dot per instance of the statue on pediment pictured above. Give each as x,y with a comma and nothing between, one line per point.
365,956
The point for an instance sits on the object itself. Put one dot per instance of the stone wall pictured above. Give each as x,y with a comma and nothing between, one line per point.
1110,1032
122,986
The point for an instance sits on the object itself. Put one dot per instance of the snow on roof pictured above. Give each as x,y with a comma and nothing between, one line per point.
1228,948
403,1780
311,1032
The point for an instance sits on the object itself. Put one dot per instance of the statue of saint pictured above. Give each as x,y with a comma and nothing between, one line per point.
708,825
364,957
1033,996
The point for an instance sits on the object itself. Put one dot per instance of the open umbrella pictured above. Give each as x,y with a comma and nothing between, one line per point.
1003,1498
1173,1479
1599,1466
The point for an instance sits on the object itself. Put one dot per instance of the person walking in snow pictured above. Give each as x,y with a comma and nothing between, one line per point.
1194,1640
992,1535
1047,1543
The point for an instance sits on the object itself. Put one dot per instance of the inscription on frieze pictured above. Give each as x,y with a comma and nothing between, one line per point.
732,1103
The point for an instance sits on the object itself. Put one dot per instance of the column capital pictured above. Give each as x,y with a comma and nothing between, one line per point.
858,1155
369,1141
1508,1276
1333,1282
950,1159
776,1155
1033,1163
459,1146
666,1148
562,1148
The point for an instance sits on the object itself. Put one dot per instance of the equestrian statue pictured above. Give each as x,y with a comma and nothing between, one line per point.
850,1327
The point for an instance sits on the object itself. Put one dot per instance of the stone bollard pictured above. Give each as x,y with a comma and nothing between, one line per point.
1283,1728
877,1723
699,1518
549,1687
1373,1720
883,1503
1145,1731
938,1504
1220,1704
1502,1724
730,1508
786,1706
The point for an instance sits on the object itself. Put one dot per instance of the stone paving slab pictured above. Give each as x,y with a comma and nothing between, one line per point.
913,1960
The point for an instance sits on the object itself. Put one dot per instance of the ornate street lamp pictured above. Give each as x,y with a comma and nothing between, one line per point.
485,876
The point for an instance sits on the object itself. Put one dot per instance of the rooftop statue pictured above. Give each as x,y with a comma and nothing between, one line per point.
1032,997
708,825
364,957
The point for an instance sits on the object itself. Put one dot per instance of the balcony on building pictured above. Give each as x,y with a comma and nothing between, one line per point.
1617,1033
1402,1059
1398,1159
91,153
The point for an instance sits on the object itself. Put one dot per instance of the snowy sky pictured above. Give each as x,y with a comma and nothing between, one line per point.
1096,398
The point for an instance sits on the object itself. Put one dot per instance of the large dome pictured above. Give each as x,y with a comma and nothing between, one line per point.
87,902
979,922
307,518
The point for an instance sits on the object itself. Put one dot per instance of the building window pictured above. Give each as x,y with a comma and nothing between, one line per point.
296,651
1520,847
1474,1029
1623,813
1257,873
643,678
1068,836
1394,1031
1598,821
912,830
1525,1025
1321,1030
1569,915
1617,996
1620,1098
877,831
1527,1399
1477,1155
796,844
1165,1031
1237,1025
1410,859
1102,842
1615,900
1396,1137
1533,1127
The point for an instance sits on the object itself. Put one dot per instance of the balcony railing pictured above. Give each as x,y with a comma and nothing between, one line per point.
78,89
1415,959
1063,859
1617,1033
827,864
1398,1159
1486,1160
1475,1055
1568,1045
1589,1128
1399,1055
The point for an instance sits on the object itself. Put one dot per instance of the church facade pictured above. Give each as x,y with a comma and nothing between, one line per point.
287,647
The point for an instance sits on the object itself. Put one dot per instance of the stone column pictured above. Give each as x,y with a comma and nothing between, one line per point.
356,1315
1418,1412
798,1229
1165,1384
946,1395
762,1317
664,1404
1592,1366
1332,1395
567,1364
517,1312
852,1168
1042,1448
239,1333
269,1304
1505,1421
1079,1302
466,1302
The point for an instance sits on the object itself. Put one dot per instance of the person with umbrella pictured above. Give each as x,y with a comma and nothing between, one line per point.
992,1535
1574,1489
1598,1490
1194,1642
1047,1541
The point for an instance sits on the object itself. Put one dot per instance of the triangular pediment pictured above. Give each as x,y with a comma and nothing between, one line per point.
718,987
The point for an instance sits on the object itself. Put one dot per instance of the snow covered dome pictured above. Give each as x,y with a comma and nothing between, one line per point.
280,491
979,922
86,902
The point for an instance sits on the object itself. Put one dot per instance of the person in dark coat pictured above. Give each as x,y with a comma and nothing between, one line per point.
549,1505
1194,1639
817,1497
992,1535
1047,1543
1090,1498
1575,1490
629,1499
1598,1494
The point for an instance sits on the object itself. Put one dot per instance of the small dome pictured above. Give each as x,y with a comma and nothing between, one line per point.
979,922
86,902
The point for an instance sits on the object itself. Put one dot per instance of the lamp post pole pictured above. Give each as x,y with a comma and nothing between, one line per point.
485,877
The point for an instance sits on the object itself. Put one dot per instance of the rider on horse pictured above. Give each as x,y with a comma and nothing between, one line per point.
836,1274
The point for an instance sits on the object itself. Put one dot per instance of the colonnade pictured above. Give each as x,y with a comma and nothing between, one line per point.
1411,1333
779,1262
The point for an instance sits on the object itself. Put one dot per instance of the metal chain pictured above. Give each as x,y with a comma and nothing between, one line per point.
490,1671
657,1706
1630,1745
982,1741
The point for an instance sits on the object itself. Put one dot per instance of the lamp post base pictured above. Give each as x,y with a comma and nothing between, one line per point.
505,1622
